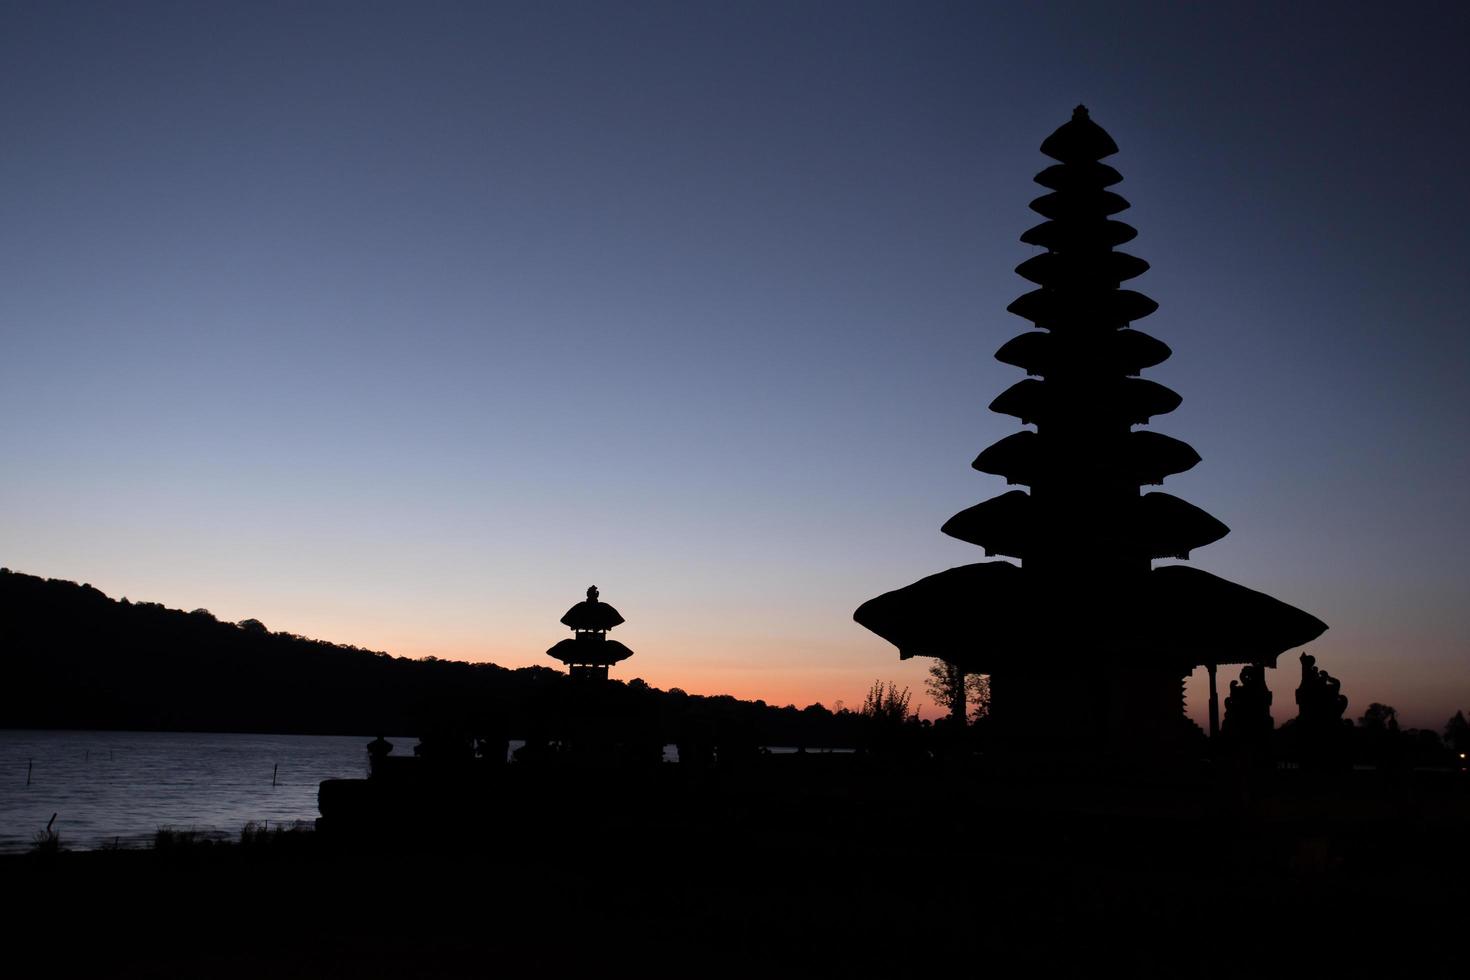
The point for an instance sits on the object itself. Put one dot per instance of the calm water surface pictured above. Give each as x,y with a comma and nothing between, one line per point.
122,786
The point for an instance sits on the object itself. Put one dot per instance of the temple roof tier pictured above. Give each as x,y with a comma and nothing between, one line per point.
1078,176
1079,204
1026,399
574,652
592,614
1221,622
1103,307
1003,525
1059,268
1079,140
1171,528
1132,400
1140,399
993,616
1077,236
1145,458
1152,456
1128,351
1017,457
1156,525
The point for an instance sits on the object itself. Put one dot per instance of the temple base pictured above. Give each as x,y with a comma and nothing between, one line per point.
1093,712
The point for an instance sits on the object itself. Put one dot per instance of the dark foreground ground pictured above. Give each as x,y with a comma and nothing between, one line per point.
815,868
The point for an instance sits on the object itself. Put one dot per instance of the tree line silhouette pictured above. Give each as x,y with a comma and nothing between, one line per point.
74,658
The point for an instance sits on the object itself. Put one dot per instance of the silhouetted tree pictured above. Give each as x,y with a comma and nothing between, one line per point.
1424,747
967,696
888,728
886,705
252,626
1378,736
1457,733
1380,717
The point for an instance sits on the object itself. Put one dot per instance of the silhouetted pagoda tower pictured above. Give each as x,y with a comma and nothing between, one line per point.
1085,639
589,652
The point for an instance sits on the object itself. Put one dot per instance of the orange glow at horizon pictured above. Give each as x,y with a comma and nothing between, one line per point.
777,684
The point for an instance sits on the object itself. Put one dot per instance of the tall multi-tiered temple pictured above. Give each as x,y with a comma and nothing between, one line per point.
1085,636
589,652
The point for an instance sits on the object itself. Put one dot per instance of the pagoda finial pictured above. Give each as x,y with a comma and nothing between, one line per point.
1080,113
591,593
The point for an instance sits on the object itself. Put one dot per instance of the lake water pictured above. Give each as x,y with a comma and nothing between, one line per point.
122,786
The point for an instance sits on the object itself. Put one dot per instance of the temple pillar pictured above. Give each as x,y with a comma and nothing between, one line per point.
1214,702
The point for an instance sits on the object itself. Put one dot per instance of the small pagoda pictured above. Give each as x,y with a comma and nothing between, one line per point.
1084,640
589,652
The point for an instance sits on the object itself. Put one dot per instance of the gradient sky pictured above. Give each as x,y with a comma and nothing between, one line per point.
400,324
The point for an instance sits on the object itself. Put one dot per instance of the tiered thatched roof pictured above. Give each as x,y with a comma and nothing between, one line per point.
1085,533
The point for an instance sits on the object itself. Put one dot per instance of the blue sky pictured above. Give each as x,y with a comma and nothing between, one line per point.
400,324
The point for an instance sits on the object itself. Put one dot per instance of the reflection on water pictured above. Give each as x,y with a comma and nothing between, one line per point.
122,786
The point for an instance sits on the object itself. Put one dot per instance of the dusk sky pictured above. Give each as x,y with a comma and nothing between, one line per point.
400,324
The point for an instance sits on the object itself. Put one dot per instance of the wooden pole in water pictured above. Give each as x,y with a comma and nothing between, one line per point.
274,769
30,764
